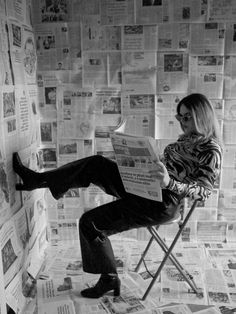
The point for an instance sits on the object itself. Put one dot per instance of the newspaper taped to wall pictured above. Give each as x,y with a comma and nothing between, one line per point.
136,157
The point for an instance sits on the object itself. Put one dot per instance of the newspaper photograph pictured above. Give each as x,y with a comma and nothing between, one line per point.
135,104
139,37
172,72
135,158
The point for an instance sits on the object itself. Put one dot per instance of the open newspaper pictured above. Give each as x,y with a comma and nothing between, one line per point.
136,157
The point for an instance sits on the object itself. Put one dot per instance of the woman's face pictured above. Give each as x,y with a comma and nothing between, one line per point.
186,121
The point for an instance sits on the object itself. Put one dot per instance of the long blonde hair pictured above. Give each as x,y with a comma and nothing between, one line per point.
204,116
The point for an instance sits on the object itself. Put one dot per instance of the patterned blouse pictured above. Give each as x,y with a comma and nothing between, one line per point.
193,164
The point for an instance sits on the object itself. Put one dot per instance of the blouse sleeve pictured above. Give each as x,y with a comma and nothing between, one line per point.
205,177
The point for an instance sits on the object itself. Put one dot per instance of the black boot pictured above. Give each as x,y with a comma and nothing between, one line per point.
31,179
104,284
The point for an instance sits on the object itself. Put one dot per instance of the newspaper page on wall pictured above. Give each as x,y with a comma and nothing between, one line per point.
3,309
136,157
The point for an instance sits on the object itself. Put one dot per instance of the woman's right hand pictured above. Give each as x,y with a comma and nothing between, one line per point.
160,172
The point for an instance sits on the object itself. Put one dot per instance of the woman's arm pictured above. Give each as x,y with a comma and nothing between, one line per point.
203,178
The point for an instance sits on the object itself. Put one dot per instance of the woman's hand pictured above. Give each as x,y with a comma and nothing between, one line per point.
160,173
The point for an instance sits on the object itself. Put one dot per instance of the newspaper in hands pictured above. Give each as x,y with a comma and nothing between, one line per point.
136,157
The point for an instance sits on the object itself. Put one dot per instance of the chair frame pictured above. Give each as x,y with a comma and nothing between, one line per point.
168,253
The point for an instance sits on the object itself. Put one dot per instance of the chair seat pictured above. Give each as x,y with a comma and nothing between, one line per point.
176,219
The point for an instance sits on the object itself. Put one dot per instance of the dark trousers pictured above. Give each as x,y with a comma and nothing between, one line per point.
126,212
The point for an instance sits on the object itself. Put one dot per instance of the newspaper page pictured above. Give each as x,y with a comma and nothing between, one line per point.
167,127
23,54
227,203
2,8
9,118
139,37
173,37
212,231
140,124
229,159
80,126
3,30
218,105
135,104
229,132
45,11
136,157
219,286
207,39
4,193
139,71
48,289
17,292
230,36
230,77
114,68
7,74
166,104
93,196
3,308
98,37
58,46
58,306
172,72
191,11
11,251
94,69
116,12
174,288
102,145
189,233
152,12
24,115
221,10
206,75
228,178
18,11
106,103
231,232
174,309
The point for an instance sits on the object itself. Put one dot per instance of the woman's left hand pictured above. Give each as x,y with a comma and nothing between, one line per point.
160,173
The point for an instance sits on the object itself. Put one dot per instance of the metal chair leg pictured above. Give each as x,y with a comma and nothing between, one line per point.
168,254
144,254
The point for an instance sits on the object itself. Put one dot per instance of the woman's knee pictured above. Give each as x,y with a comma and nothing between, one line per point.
84,223
87,227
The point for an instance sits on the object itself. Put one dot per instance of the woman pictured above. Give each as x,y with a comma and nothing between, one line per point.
189,168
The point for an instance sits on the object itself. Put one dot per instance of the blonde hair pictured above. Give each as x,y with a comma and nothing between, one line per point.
204,116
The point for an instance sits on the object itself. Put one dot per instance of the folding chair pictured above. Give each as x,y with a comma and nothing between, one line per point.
168,250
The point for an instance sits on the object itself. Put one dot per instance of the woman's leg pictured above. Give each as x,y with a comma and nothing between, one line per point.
80,173
97,224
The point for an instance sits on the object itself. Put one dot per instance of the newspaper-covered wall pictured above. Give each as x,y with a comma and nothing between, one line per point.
71,71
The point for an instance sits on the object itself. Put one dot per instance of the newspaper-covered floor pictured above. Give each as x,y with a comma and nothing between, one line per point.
213,266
